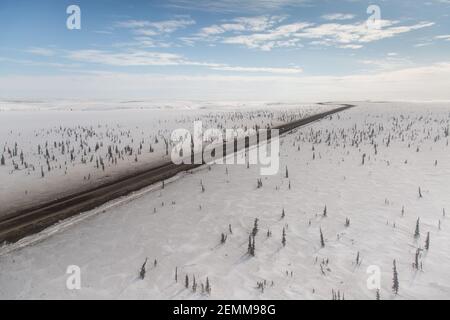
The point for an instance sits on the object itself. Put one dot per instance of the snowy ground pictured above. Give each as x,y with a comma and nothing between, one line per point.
51,149
406,147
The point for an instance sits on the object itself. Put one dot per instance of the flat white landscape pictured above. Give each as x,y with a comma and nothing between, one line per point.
406,148
54,148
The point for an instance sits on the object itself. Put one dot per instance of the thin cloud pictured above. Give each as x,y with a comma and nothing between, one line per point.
445,37
135,58
429,82
347,36
146,58
153,28
390,62
237,6
338,16
295,70
281,36
41,51
242,24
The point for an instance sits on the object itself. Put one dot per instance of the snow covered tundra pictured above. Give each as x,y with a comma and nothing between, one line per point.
357,210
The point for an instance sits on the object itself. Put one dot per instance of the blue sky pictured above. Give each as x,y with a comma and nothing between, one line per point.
250,42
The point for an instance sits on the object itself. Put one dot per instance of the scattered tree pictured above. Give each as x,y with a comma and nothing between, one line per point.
176,274
358,261
347,222
255,228
322,241
417,231
251,245
416,263
395,284
259,183
223,238
208,286
427,241
142,272
194,285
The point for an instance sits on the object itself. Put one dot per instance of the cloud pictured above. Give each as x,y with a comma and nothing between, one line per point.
445,37
390,62
153,28
281,36
237,6
33,63
266,34
135,58
357,34
417,83
294,70
350,46
146,58
242,24
41,51
338,16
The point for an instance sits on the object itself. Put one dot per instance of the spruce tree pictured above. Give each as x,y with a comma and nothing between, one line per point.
427,242
255,227
142,272
417,231
2,160
283,239
194,285
347,222
395,284
208,286
322,241
325,211
416,259
223,238
186,282
251,245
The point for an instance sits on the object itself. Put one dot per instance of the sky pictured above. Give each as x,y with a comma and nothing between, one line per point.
284,50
